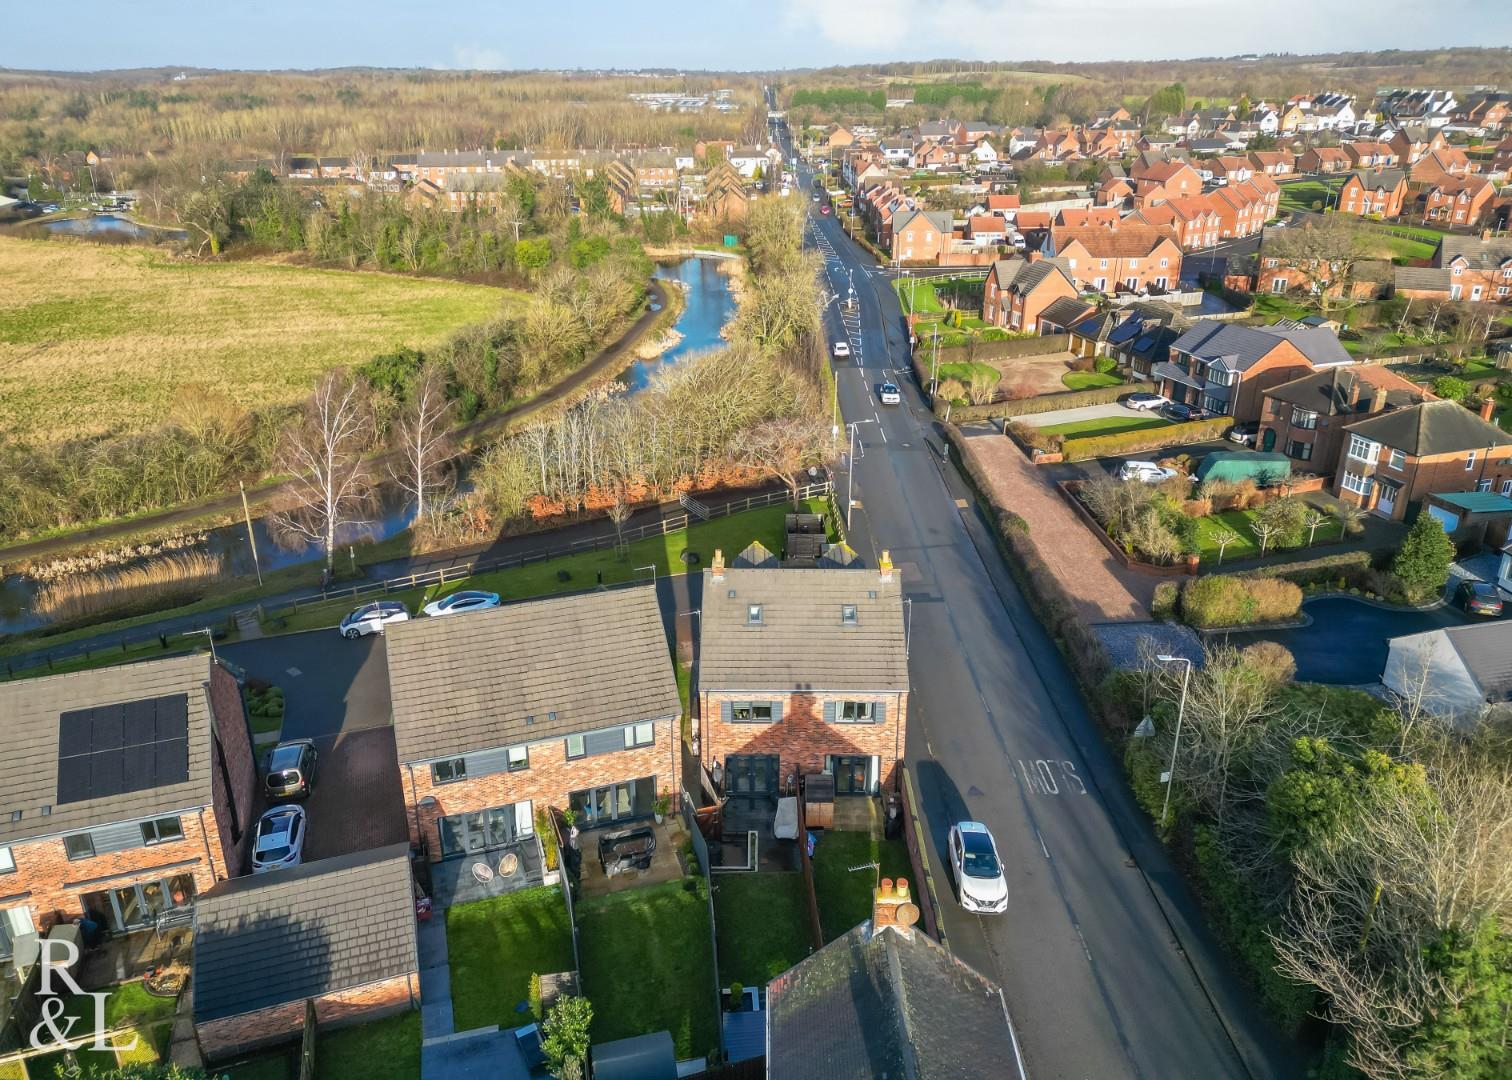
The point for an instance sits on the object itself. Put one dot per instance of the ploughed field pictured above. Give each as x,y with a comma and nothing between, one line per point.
96,338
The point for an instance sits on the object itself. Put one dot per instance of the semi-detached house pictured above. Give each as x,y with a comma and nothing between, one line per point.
563,702
125,792
802,671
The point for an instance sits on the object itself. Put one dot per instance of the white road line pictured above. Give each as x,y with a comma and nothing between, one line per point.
1041,839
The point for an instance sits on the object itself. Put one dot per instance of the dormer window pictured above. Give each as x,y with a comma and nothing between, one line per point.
753,614
848,614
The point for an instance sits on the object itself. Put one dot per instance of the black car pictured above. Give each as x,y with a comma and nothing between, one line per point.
291,769
1479,598
1175,410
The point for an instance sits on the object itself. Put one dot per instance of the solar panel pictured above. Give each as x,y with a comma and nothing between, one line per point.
116,749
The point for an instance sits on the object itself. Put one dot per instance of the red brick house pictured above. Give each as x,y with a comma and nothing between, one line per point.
336,933
1019,289
1164,181
1411,143
802,671
1455,201
1114,191
1224,368
1370,155
1323,159
1502,162
127,793
920,236
1378,193
1274,163
1130,255
1479,267
1305,418
1232,168
1194,219
1435,165
986,229
565,702
1392,460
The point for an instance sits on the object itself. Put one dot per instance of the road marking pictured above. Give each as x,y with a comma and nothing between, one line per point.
1041,839
294,671
1046,776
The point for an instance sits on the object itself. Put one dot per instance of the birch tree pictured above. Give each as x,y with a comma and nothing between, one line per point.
322,450
423,439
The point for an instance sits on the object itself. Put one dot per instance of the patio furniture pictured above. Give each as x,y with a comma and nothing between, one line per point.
509,865
629,849
483,872
785,824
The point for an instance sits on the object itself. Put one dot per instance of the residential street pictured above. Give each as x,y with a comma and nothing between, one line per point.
1096,982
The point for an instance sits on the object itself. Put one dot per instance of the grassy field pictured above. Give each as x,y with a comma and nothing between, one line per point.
96,339
1105,425
387,1049
495,945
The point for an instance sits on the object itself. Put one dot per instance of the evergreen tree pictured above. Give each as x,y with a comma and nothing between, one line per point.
1423,560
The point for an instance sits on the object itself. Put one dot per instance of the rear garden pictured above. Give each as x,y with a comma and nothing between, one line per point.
495,946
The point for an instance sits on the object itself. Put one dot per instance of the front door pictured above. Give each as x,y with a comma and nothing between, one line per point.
751,774
1268,441
1386,501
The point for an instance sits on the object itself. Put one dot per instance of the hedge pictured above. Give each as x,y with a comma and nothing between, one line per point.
1145,439
1350,566
1070,399
1001,350
1218,600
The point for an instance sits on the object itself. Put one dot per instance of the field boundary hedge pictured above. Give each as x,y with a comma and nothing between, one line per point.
1145,439
1042,403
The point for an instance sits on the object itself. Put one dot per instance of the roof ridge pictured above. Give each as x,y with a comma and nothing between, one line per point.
899,989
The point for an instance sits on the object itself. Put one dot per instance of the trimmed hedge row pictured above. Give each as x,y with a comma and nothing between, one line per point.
1146,439
1218,600
1040,345
1042,403
1349,565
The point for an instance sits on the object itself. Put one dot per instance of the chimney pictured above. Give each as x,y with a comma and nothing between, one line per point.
892,906
716,568
1377,400
1487,408
885,566
1034,256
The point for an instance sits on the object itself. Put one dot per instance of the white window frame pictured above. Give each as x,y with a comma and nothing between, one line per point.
7,861
1397,460
1363,449
512,763
640,735
1359,485
861,712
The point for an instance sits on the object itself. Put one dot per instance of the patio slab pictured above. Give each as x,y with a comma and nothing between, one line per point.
482,1054
477,877
665,864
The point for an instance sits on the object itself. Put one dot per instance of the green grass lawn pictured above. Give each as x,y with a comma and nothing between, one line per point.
1106,425
731,534
1274,306
1302,194
1090,380
763,925
1402,250
922,293
1248,544
387,1049
274,1066
495,945
648,965
845,896
128,1003
964,371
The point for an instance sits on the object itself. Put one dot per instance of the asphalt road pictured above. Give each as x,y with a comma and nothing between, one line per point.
1095,980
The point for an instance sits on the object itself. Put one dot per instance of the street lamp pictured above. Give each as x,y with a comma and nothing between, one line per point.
1170,776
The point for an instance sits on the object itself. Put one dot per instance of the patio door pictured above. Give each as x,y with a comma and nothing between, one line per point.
135,907
855,774
752,774
614,802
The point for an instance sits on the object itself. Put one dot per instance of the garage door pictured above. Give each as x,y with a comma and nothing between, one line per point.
1447,518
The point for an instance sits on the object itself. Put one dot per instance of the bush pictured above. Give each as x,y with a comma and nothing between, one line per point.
1038,403
1326,570
1146,439
1105,365
1450,387
951,390
1286,516
1033,438
1197,508
1163,606
1271,662
1223,600
1422,562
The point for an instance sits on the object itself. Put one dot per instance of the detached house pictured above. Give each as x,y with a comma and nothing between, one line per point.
1480,267
565,702
1400,457
1224,368
1305,418
1019,290
1455,200
1323,159
125,793
1128,256
1378,193
802,671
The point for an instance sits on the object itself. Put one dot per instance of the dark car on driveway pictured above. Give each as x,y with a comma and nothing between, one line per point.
1479,598
1175,410
291,769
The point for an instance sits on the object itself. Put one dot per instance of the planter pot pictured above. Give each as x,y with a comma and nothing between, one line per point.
659,818
1192,562
551,877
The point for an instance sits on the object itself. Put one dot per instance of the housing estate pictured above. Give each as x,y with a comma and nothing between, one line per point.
802,671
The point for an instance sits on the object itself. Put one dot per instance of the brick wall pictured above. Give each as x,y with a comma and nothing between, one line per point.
548,781
235,1035
802,738
233,806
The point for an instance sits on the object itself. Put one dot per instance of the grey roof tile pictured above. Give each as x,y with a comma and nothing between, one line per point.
1244,345
30,709
1487,653
329,925
468,682
1434,427
801,642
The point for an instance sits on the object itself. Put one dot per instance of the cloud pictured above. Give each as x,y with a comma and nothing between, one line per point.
478,58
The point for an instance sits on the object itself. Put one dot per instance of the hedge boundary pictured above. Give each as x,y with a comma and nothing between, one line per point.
1043,403
1146,439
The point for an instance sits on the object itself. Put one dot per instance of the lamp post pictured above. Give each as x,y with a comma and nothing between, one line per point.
1170,776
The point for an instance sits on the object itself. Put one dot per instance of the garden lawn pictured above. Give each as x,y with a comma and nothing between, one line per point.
731,534
387,1049
763,925
1280,306
964,371
844,896
1302,194
495,945
925,300
1403,250
1246,547
1105,425
648,964
274,1066
96,339
1090,380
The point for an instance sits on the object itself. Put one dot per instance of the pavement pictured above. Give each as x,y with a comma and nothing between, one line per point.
1103,959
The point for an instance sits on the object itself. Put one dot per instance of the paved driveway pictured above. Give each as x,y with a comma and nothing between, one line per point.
336,692
1086,412
1346,642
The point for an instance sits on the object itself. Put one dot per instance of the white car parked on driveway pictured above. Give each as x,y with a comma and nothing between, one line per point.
372,618
980,884
280,839
459,602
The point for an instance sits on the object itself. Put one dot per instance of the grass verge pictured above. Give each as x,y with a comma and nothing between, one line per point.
648,965
762,925
495,945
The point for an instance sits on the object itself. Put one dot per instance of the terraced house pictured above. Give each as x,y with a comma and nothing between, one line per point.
564,702
125,792
802,671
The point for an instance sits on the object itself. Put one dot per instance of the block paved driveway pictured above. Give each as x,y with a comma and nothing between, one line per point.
336,692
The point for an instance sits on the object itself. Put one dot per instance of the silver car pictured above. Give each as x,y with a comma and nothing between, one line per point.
372,618
279,841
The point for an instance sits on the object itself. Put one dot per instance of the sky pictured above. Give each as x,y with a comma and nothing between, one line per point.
710,34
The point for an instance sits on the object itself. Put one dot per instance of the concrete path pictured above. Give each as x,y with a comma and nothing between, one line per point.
480,1054
435,980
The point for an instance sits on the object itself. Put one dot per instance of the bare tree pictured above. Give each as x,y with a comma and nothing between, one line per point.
1324,252
1265,534
423,439
1314,521
323,451
1223,537
786,448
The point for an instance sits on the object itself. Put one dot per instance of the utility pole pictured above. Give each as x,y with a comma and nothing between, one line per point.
251,536
1170,776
